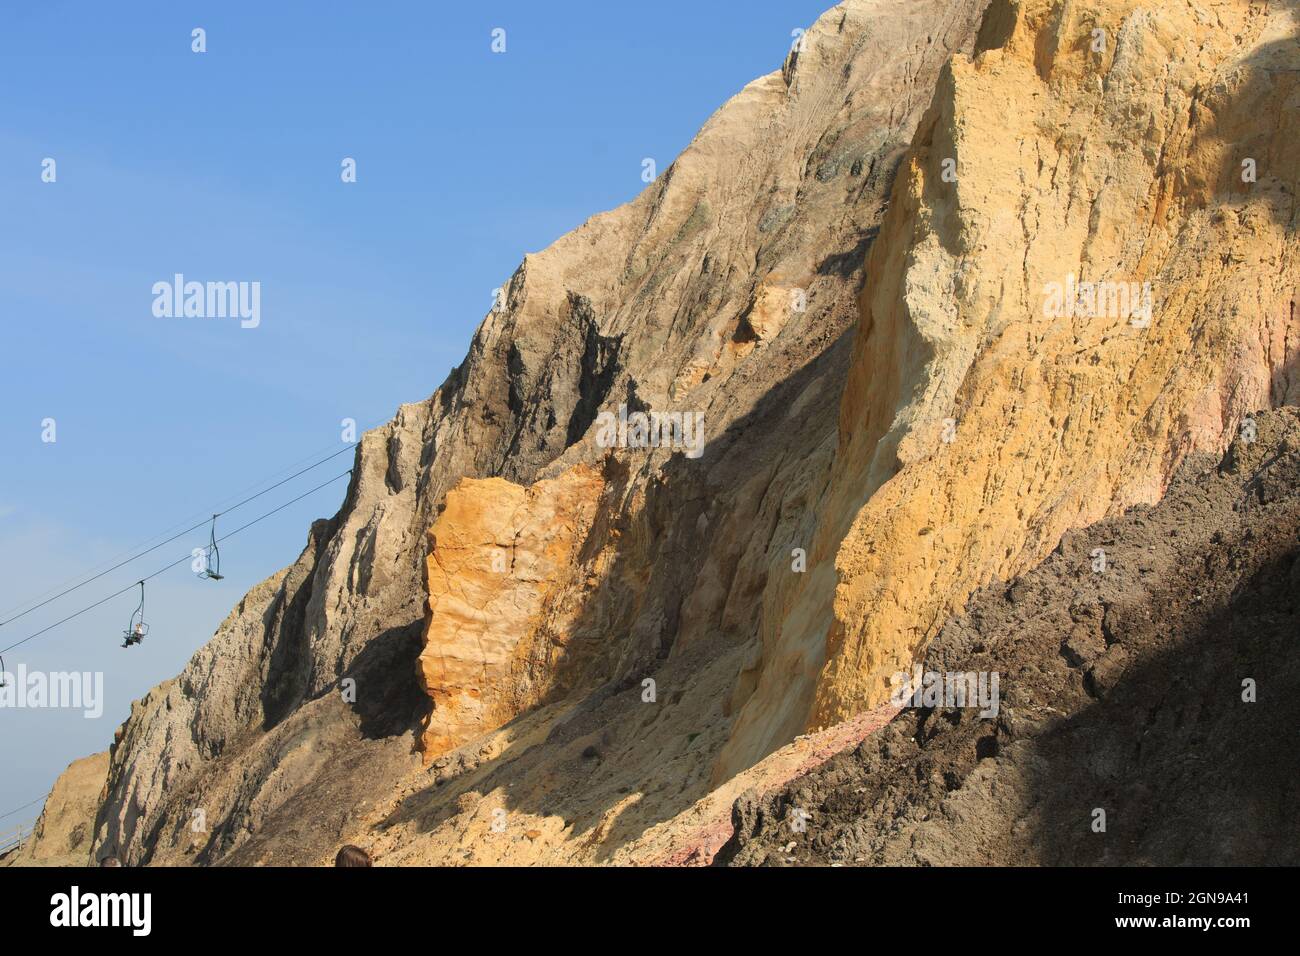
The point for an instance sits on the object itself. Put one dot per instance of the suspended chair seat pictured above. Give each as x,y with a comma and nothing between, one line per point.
136,628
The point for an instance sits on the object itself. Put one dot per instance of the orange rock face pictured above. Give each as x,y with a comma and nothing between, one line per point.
498,575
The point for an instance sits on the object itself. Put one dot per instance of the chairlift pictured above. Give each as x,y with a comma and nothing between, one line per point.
136,628
212,570
2,672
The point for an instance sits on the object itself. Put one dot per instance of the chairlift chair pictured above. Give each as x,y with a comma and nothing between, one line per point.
213,569
136,628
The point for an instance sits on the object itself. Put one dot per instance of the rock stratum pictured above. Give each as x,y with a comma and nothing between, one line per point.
960,280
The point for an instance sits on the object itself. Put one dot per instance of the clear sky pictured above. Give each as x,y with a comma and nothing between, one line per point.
225,165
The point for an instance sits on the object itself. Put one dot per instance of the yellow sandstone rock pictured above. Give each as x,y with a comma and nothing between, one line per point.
499,565
1092,142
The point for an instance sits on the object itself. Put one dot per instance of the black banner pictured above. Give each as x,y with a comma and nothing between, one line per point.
138,906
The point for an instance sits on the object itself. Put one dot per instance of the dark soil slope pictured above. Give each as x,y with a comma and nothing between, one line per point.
1121,691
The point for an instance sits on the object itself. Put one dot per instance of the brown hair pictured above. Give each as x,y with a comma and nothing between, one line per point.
352,856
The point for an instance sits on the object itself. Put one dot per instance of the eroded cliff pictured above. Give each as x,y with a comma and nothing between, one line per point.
863,276
1091,142
1144,702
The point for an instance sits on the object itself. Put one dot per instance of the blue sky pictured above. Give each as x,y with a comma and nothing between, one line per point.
225,165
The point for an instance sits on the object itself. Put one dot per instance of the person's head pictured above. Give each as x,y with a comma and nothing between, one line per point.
352,856
110,861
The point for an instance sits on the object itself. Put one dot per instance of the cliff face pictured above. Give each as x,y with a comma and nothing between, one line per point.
860,283
725,290
62,835
1096,142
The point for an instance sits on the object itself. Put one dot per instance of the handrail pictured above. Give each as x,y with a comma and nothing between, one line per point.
14,837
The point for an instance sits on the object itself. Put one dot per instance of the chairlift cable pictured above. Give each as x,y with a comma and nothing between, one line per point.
10,813
178,534
135,547
174,537
133,585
